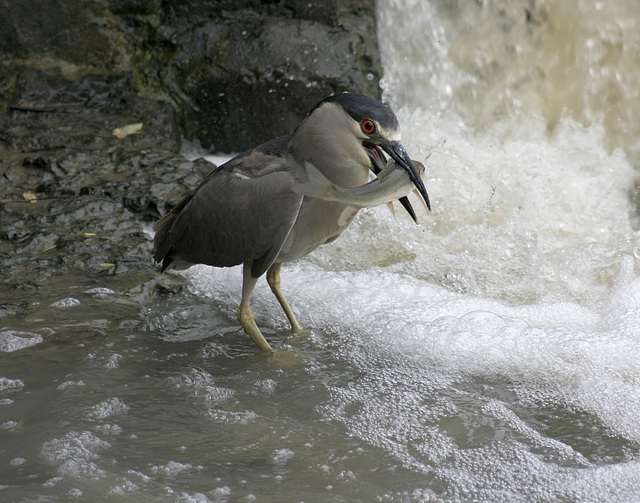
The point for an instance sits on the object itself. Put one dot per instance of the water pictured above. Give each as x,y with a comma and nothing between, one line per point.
488,354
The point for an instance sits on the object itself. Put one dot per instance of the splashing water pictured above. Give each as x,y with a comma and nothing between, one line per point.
531,204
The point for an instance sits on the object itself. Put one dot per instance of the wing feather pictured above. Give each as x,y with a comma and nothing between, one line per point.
242,211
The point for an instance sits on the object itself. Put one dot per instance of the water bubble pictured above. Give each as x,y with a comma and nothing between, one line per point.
281,456
100,291
172,468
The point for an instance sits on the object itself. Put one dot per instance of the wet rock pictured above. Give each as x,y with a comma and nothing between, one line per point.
75,197
279,64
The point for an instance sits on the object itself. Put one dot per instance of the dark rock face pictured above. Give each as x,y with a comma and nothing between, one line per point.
58,32
280,65
237,73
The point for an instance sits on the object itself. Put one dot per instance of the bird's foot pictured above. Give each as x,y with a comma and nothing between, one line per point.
249,326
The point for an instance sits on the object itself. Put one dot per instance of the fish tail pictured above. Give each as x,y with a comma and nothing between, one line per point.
318,185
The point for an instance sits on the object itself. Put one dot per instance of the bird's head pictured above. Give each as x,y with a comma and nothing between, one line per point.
360,127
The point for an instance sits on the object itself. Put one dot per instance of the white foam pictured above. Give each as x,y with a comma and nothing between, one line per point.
66,303
10,385
108,408
578,354
13,340
172,468
413,343
201,384
529,203
74,454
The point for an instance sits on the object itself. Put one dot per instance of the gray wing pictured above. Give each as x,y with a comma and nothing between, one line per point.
242,211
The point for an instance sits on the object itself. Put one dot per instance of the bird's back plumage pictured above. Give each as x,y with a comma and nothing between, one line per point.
243,210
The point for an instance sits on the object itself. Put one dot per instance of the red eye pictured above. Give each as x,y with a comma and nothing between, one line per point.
368,126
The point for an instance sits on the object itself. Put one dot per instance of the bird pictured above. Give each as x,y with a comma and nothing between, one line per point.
245,211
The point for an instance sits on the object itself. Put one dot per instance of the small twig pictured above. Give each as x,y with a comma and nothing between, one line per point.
28,108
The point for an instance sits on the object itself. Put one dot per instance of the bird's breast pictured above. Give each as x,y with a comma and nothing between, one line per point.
318,222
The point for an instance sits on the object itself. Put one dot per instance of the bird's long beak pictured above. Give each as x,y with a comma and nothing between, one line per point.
398,153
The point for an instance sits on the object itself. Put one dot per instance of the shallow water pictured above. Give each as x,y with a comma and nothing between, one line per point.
488,354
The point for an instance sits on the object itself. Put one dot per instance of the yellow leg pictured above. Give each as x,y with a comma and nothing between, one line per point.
273,278
244,312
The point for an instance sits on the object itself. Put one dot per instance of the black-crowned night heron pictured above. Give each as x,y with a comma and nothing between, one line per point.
245,211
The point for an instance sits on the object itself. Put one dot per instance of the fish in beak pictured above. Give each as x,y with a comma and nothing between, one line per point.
398,153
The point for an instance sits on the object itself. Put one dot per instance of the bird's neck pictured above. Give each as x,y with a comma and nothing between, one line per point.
327,142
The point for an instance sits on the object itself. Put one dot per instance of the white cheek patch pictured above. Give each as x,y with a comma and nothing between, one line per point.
390,134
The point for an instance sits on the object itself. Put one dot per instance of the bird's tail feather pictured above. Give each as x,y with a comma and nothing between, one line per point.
161,241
